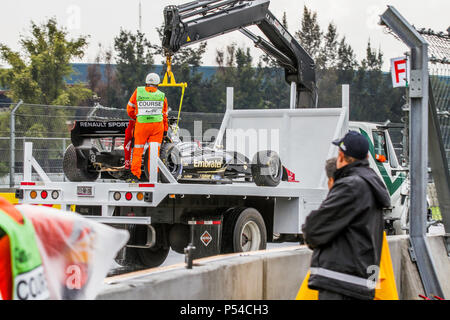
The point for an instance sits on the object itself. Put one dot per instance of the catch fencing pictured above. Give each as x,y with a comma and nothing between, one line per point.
48,128
439,69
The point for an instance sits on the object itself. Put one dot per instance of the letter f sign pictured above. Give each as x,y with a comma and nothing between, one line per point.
400,72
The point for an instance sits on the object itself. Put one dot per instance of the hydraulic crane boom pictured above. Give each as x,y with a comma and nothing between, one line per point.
204,19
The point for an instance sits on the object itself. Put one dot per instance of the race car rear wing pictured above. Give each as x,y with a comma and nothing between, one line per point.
83,130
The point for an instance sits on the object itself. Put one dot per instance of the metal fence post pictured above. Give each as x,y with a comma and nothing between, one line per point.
153,154
419,99
346,102
12,151
63,151
230,98
293,96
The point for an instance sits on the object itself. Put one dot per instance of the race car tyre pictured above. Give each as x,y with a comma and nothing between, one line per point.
244,230
267,170
70,167
170,156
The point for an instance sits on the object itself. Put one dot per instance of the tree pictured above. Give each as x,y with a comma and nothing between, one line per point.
373,61
134,62
94,74
310,35
106,85
185,66
346,62
110,93
38,76
328,55
326,69
374,99
236,70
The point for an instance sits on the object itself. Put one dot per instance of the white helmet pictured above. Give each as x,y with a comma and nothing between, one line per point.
153,79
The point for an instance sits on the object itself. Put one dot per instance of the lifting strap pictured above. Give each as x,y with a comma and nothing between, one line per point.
172,83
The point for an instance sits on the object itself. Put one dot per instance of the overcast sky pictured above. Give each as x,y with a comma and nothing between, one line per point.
102,20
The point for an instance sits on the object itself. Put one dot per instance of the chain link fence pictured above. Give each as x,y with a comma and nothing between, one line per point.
48,128
439,68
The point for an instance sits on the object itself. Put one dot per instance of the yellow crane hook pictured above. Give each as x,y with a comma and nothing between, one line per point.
172,83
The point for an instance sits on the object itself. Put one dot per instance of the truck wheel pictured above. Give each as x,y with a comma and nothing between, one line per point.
267,170
154,257
244,231
179,237
70,167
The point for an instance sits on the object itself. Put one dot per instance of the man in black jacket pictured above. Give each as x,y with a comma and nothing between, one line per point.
346,232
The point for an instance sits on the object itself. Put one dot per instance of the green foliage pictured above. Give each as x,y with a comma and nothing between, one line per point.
38,76
108,91
4,144
236,70
327,57
372,97
134,61
185,68
4,169
310,35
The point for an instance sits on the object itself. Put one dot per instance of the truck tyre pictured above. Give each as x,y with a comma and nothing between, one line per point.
154,257
179,237
244,230
70,167
267,170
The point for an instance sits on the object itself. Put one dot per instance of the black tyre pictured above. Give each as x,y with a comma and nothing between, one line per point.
179,237
72,161
171,158
154,257
244,230
267,170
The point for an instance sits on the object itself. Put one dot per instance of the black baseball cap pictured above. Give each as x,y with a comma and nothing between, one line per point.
354,145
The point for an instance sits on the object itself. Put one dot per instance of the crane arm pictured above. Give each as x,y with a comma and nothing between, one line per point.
197,21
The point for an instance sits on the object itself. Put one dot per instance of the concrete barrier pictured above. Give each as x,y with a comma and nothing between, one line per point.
265,275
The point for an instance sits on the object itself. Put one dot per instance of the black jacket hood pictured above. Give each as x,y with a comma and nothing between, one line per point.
362,169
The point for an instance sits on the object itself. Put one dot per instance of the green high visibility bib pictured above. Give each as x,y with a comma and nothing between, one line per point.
28,276
149,106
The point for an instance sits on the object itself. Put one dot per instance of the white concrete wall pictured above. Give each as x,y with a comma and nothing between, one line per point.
270,275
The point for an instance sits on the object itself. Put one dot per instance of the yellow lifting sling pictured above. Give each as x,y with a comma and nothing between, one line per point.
173,83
